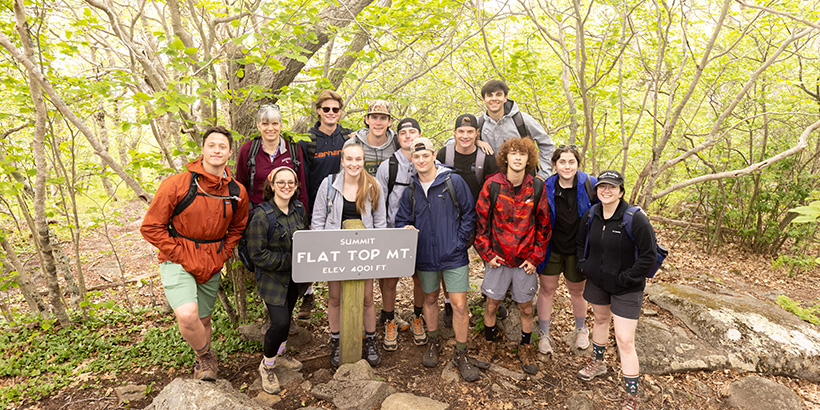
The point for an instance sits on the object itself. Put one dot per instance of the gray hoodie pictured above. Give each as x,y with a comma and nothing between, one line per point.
373,156
496,132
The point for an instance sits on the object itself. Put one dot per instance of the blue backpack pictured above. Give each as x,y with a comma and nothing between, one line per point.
661,250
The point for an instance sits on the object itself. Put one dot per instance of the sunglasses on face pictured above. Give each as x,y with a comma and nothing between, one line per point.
562,146
328,109
282,184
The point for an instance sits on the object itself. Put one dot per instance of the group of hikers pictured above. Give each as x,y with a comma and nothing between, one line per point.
491,186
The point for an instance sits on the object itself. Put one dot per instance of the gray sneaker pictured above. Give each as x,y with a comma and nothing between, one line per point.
270,383
582,338
593,369
544,343
430,358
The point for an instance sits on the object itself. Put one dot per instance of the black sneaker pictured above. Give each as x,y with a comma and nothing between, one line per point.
371,351
430,358
448,315
465,366
501,314
334,352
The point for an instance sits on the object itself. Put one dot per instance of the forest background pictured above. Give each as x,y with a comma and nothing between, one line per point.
711,110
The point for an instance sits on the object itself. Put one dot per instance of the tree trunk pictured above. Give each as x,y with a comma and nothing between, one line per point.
33,300
110,190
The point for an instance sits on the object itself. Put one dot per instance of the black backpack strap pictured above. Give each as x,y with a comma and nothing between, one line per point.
591,214
331,193
480,126
294,154
495,190
538,189
518,119
412,198
234,191
590,190
393,172
188,199
255,144
448,183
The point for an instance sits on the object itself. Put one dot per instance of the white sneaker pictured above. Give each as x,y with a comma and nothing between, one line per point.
582,338
544,343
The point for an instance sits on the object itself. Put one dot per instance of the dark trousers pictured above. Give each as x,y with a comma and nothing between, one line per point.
280,322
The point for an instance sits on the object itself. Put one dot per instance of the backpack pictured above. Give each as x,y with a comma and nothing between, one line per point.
661,250
193,191
331,193
448,183
450,160
244,253
590,191
393,172
256,143
495,189
518,119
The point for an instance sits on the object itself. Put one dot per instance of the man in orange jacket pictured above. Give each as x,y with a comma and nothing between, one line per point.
196,220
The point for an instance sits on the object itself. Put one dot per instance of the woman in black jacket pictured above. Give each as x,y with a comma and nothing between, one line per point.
616,267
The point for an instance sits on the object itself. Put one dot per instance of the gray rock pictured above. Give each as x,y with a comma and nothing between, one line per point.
254,332
130,392
298,336
306,385
287,376
496,388
508,386
353,394
758,336
360,370
322,374
757,393
511,326
503,371
407,401
702,388
449,374
580,401
523,403
196,394
663,350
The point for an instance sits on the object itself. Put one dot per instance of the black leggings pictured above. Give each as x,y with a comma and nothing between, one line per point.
280,321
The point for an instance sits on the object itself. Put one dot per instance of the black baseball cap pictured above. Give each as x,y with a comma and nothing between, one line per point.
408,123
610,177
466,120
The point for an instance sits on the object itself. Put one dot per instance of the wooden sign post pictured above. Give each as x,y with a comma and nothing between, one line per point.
351,256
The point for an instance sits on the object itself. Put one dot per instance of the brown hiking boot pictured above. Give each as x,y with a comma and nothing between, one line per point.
205,366
593,369
270,383
308,303
526,353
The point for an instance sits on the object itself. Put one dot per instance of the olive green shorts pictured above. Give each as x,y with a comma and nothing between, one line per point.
456,280
564,263
181,288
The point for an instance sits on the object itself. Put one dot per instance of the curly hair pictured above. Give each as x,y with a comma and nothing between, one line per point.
521,145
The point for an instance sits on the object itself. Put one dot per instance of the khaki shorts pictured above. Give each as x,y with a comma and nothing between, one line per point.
181,288
564,263
456,280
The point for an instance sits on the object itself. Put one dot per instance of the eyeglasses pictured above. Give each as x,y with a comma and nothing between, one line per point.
607,187
282,184
328,109
562,146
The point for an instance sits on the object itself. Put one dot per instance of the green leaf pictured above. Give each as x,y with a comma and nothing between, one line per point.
191,50
176,44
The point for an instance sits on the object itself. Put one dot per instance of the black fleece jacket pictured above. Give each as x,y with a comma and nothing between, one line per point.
610,261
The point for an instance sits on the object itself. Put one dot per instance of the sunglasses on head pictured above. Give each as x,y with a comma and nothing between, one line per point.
562,146
328,109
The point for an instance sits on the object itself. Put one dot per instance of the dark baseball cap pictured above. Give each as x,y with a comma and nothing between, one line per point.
610,177
466,120
408,123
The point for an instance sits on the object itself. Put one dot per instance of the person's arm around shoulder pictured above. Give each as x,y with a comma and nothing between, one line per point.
647,252
544,142
320,214
239,221
154,226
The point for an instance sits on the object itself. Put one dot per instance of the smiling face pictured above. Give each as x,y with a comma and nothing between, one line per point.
566,166
270,129
494,101
378,124
329,112
353,160
608,194
424,161
465,137
284,184
406,137
517,160
216,150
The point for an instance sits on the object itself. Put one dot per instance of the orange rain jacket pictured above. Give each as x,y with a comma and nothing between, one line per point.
206,218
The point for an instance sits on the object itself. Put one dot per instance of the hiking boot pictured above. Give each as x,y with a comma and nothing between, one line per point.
526,353
631,402
401,324
544,343
308,303
334,352
593,368
501,314
286,360
205,367
448,315
430,358
582,338
391,333
371,351
464,365
419,334
270,383
486,353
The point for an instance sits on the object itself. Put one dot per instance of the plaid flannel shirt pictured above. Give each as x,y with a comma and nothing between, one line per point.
271,251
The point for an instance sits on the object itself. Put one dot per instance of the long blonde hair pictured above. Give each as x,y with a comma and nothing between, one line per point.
367,186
